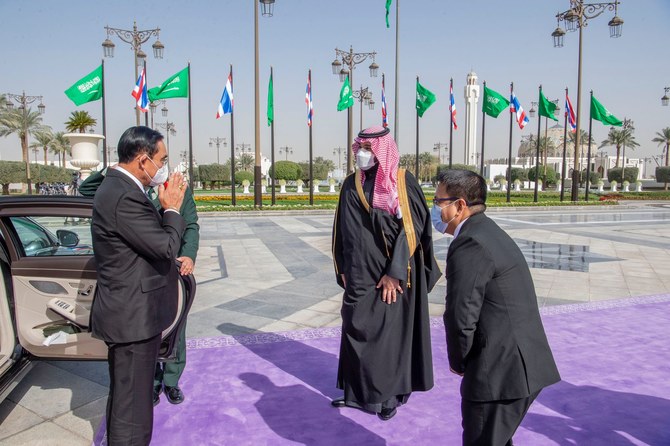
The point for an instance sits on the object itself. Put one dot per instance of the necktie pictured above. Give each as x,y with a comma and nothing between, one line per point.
151,193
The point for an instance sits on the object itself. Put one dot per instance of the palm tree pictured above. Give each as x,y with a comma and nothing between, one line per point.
407,161
60,145
22,121
3,102
246,162
663,139
42,140
79,122
426,162
620,138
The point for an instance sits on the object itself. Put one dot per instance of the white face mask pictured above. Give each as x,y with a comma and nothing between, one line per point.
436,218
365,159
161,175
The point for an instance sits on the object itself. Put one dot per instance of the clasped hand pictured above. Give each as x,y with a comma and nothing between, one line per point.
172,196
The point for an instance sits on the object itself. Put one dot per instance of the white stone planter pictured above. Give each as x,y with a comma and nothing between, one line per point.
558,187
613,188
332,188
85,151
601,187
503,188
299,188
246,189
263,189
282,189
626,187
517,187
638,187
316,188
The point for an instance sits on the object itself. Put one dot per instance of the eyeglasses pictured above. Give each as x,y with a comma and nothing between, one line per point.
437,201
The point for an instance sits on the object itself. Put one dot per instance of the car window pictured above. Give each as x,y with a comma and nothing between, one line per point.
53,236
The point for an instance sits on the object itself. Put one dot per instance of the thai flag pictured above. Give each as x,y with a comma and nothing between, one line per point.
226,103
308,101
385,121
452,106
572,121
140,93
515,107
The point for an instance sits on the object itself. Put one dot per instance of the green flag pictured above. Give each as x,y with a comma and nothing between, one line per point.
176,86
494,103
346,96
86,89
388,8
424,99
546,108
271,102
600,113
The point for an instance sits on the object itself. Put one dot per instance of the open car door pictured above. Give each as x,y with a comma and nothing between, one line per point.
50,279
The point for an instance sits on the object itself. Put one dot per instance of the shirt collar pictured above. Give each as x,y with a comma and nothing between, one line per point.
458,228
132,177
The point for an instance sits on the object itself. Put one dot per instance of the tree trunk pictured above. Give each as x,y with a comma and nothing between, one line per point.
45,155
5,189
618,150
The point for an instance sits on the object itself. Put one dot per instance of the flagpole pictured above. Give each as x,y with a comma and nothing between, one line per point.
396,109
311,172
537,150
565,142
509,159
104,120
481,168
232,145
588,153
146,113
272,140
451,121
416,161
190,132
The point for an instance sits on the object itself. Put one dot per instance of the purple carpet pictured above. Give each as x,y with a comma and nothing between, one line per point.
272,389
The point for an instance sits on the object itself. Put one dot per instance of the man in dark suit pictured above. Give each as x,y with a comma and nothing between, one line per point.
495,337
136,295
168,373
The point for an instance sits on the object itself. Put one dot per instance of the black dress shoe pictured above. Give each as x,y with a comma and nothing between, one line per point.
157,392
387,414
174,395
338,402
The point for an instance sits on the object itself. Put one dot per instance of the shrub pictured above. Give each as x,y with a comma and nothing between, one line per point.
662,174
243,175
519,173
614,174
547,179
285,170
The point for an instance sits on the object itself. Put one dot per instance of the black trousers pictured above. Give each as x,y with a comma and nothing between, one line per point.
130,410
493,423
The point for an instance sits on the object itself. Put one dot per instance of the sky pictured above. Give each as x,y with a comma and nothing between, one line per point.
50,44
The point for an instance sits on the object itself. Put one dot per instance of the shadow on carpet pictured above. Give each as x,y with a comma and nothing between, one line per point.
275,388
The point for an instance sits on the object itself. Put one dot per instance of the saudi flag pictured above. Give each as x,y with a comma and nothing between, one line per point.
271,103
388,7
424,99
86,89
546,108
346,96
600,113
494,103
176,86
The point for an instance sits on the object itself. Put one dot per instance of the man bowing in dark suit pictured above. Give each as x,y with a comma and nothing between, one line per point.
495,337
136,295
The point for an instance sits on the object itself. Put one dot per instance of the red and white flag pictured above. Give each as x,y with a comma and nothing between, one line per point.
140,93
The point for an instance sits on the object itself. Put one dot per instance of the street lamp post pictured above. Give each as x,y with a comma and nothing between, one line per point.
23,100
627,126
152,108
364,96
576,18
438,148
169,128
268,11
135,38
286,150
350,60
218,142
665,100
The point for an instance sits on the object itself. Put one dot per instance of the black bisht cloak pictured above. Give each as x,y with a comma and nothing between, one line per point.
385,351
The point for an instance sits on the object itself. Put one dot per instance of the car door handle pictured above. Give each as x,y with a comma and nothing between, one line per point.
86,292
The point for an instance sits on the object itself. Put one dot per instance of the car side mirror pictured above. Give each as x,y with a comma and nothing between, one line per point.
67,238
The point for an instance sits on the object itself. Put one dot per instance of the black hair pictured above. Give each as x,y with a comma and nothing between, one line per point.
464,184
138,140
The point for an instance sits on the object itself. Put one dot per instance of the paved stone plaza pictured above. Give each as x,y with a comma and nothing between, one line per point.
273,273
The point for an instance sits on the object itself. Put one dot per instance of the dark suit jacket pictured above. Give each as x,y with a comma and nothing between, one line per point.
494,331
135,249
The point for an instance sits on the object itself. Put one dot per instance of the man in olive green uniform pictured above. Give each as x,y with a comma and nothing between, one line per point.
167,374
